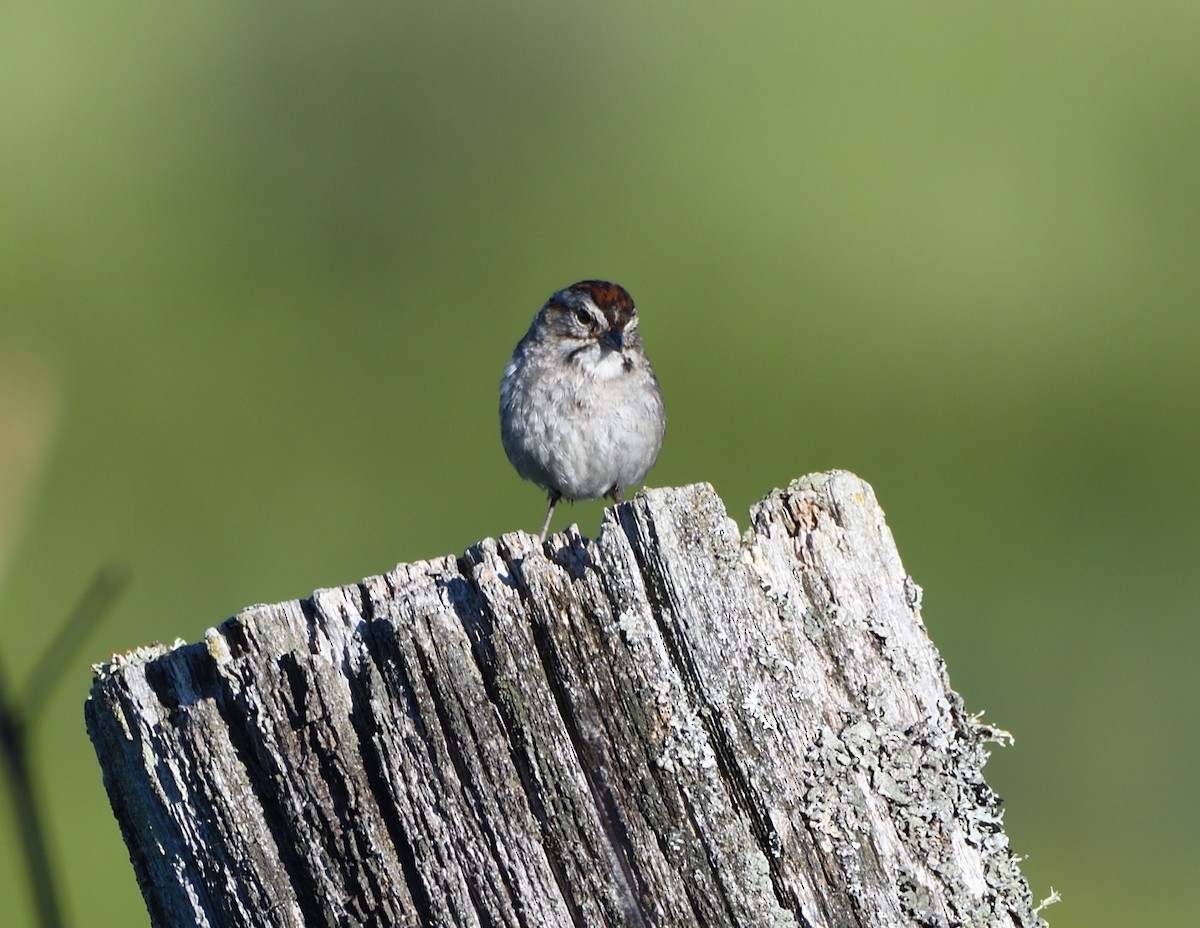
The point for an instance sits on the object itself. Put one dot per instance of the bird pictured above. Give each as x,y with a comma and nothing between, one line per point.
581,412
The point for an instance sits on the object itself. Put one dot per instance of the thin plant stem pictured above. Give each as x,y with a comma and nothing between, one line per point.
17,720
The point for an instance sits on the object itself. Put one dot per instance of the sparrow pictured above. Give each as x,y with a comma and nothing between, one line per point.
581,412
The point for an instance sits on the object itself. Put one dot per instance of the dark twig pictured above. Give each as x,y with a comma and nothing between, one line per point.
105,587
16,721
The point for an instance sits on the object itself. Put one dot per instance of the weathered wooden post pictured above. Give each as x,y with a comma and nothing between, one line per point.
670,725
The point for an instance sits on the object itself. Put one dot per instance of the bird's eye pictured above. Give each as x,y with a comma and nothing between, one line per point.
583,316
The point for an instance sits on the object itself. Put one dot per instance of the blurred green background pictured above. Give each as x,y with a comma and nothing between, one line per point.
261,266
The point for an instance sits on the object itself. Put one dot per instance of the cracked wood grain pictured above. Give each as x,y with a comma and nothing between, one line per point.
671,725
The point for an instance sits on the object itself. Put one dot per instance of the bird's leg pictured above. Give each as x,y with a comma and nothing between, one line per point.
555,496
617,494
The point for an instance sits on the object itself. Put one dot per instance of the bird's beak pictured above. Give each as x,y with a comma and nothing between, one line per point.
614,339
